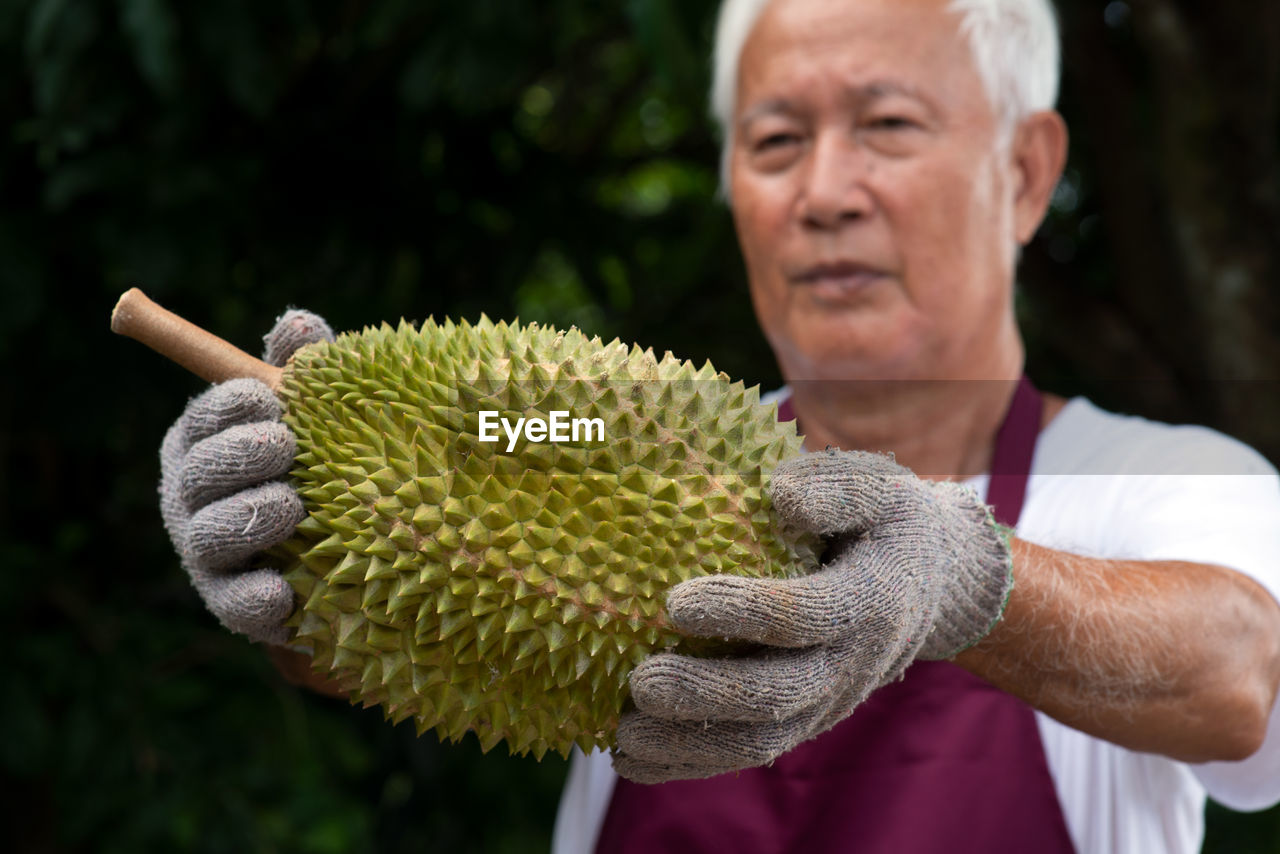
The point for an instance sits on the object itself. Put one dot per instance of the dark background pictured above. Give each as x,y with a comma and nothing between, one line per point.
372,160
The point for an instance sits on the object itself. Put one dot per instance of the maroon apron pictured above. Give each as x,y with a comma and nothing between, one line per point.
940,761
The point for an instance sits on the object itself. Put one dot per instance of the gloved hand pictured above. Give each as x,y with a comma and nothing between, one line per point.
220,495
915,569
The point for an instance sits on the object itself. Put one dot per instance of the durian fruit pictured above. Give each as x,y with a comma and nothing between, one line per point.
507,588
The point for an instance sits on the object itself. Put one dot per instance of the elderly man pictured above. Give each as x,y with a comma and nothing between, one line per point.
884,161
1108,664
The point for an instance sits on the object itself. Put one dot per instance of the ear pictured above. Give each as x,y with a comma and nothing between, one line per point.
1039,152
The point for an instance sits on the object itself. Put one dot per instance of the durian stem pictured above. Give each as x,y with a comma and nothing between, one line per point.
203,353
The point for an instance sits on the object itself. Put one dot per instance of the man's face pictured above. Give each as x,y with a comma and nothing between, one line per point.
871,195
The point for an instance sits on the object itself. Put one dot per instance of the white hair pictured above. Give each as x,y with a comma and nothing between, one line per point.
1014,45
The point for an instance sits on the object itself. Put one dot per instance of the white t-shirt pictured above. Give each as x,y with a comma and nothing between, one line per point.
1105,485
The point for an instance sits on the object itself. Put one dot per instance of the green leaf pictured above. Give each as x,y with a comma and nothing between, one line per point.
153,30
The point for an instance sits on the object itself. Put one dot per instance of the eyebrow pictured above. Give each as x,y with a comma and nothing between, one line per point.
772,106
864,92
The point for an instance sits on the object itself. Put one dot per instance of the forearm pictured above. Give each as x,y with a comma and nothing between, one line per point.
1179,659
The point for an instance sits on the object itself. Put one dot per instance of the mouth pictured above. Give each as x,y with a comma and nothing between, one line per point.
837,281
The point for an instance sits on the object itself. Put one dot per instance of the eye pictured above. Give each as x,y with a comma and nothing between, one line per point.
891,123
772,143
775,150
775,141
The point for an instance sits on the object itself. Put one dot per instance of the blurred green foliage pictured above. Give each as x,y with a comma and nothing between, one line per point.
367,160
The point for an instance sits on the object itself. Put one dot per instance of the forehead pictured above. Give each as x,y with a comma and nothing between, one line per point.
913,46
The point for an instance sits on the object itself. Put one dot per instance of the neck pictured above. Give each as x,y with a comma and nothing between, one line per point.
939,429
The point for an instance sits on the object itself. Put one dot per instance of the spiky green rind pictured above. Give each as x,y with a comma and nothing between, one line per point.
510,594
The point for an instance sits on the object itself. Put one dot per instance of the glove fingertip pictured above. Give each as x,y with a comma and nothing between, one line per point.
293,330
240,457
236,401
832,492
662,682
711,602
254,603
227,532
686,605
650,773
802,487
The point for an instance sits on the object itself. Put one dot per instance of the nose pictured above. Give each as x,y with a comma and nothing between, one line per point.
835,191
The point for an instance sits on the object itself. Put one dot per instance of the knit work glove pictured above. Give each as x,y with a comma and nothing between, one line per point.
915,569
220,493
